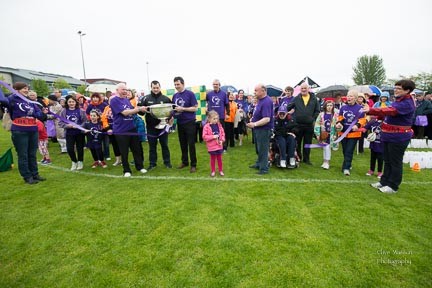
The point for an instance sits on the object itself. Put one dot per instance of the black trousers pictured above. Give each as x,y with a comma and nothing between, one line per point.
229,134
97,154
152,137
393,156
304,136
130,141
186,135
77,140
376,157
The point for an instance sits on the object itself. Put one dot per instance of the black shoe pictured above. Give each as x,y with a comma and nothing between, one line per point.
182,166
308,162
168,166
39,178
31,181
254,166
262,172
151,167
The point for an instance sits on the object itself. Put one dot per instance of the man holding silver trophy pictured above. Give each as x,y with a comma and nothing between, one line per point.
159,108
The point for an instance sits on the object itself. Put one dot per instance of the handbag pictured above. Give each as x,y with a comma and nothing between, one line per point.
6,121
421,120
371,137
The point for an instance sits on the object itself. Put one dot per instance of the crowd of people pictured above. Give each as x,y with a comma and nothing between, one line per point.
123,120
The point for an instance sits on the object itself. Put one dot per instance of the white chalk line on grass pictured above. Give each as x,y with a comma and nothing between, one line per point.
256,179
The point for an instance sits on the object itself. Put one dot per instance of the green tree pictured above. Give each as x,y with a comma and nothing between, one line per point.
369,70
81,89
60,83
40,86
423,80
5,90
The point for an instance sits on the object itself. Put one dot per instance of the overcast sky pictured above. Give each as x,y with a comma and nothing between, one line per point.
242,43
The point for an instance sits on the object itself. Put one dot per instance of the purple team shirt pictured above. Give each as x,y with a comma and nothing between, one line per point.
185,99
349,112
217,101
405,117
121,123
264,108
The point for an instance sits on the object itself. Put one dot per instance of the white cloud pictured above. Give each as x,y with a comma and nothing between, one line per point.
240,43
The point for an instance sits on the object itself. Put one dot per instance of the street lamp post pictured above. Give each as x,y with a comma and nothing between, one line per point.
81,34
148,77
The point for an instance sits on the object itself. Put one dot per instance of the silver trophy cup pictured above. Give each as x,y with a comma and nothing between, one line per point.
162,112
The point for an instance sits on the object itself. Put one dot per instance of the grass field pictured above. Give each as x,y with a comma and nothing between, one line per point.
291,228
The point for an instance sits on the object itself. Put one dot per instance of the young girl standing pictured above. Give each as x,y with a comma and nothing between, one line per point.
74,136
214,136
325,131
376,146
95,138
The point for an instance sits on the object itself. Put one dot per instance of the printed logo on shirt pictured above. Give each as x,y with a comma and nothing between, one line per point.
215,100
180,102
349,116
25,107
72,118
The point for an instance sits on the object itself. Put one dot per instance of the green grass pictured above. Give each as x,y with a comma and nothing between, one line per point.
169,228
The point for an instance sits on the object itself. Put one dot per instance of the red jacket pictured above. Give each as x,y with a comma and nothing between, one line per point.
43,135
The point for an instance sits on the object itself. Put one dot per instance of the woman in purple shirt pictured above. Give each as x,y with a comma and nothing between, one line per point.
396,133
24,130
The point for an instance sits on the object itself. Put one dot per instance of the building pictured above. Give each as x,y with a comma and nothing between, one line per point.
103,81
12,75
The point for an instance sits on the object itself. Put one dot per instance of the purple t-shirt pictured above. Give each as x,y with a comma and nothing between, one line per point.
121,123
21,108
217,101
405,117
284,101
243,104
94,140
185,99
75,117
349,112
264,108
375,126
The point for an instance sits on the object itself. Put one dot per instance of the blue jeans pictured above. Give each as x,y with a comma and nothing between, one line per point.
26,145
262,144
348,147
286,145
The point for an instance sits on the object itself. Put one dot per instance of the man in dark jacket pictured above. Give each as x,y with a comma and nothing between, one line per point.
307,109
154,133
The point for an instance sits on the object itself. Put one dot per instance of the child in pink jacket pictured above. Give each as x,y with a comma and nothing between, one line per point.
214,136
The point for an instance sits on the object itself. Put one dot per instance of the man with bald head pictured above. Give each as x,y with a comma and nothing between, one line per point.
124,129
307,108
262,123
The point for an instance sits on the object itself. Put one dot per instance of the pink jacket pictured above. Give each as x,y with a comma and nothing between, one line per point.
211,142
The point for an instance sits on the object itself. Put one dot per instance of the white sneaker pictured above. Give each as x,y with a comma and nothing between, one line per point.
143,171
283,163
292,162
80,165
377,185
346,172
127,174
387,190
74,166
326,166
108,159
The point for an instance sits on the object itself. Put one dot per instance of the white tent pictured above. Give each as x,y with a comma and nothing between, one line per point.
101,88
